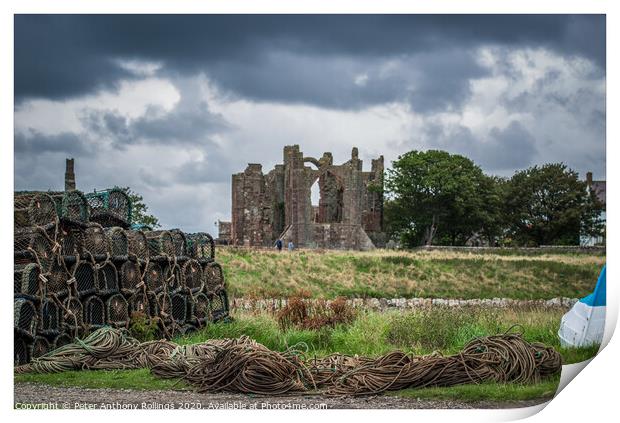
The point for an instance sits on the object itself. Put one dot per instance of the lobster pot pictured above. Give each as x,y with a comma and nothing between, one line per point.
73,317
191,273
219,306
107,278
172,276
34,209
95,240
62,340
180,242
85,278
26,279
21,350
201,308
213,277
94,312
129,277
117,311
71,239
201,246
144,303
50,317
180,308
39,347
119,242
163,304
154,277
57,280
111,207
27,241
160,243
72,206
138,244
24,317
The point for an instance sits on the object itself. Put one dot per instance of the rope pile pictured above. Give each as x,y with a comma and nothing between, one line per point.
74,275
244,366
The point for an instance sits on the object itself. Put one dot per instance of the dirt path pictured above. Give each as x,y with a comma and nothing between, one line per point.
30,395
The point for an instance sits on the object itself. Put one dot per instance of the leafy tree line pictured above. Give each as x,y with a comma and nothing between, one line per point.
437,198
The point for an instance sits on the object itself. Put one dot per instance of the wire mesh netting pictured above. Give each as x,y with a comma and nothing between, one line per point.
192,275
143,302
27,279
94,312
73,316
153,277
72,205
95,240
213,277
172,276
163,306
21,354
119,241
138,244
129,277
219,306
71,239
117,311
50,322
57,278
201,309
180,242
34,243
110,207
107,278
179,308
34,209
201,245
39,347
62,339
160,243
24,317
85,278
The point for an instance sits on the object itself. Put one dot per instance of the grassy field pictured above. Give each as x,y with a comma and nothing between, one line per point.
390,274
436,274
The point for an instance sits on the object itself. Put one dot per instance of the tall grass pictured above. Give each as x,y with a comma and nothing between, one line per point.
436,274
420,332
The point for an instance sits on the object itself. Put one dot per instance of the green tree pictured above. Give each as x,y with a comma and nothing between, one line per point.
437,197
139,210
549,205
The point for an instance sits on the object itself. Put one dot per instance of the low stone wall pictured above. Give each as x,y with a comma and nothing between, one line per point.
385,304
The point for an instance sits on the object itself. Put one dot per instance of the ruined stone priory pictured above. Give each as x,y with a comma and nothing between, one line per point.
278,205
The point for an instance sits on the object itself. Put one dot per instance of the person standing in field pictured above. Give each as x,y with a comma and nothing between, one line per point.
291,246
279,245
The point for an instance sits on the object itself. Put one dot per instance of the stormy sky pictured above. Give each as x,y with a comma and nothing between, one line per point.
172,105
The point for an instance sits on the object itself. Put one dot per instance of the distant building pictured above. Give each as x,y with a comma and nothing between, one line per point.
599,188
224,231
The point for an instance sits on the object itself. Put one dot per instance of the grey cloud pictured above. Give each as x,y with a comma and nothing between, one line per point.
60,56
504,149
33,141
190,122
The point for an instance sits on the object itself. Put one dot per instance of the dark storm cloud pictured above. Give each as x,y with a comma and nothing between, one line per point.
34,142
509,148
65,56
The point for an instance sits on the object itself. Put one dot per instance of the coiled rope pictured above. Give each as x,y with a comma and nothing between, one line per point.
243,365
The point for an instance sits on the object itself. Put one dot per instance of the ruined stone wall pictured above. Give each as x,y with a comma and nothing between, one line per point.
279,205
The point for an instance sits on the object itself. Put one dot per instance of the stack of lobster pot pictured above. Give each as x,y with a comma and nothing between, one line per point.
79,266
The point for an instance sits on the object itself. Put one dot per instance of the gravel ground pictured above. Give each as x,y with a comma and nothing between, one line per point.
31,395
